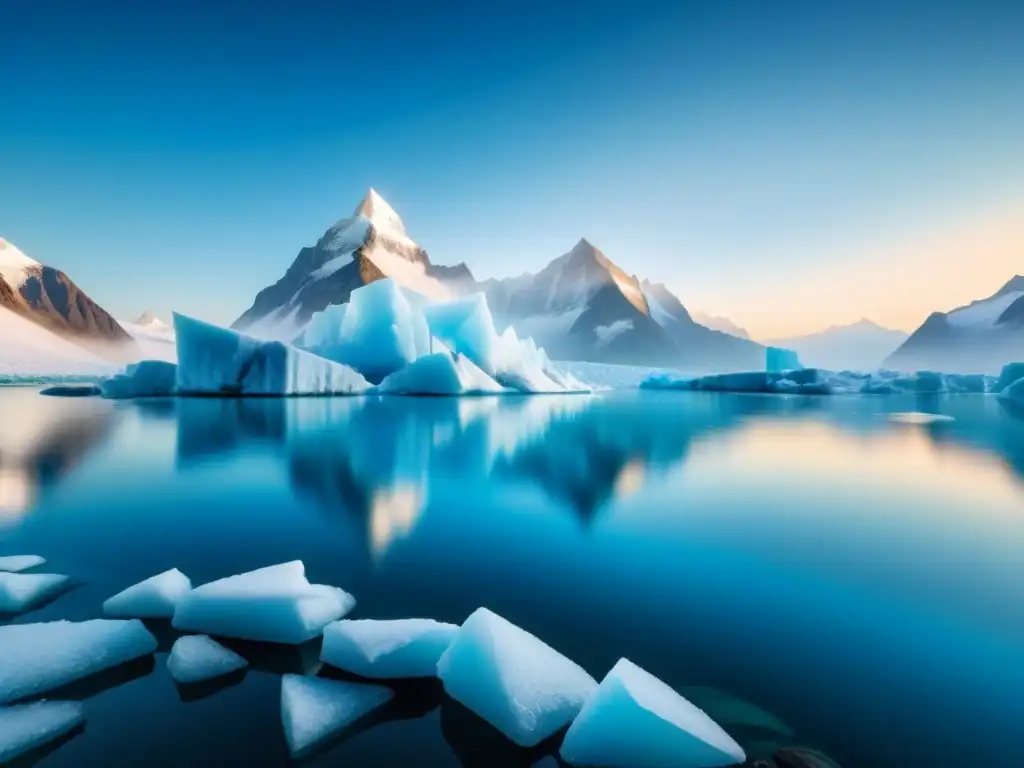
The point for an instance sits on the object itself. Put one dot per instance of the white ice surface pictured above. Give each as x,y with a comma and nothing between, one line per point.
387,649
35,658
313,710
634,720
276,604
25,727
16,563
21,591
513,680
195,658
442,373
154,598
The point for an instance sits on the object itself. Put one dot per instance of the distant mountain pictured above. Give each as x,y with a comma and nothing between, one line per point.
369,245
979,338
50,299
154,336
583,306
723,324
860,346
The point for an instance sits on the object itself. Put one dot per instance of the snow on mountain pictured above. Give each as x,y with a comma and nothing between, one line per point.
154,337
369,245
860,346
718,323
28,349
980,337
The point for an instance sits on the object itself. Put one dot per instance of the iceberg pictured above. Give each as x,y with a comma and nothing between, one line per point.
778,360
154,598
1011,373
314,710
466,327
219,361
72,390
17,563
513,680
442,373
1014,392
387,649
26,727
634,720
197,658
275,604
21,591
148,378
379,333
35,658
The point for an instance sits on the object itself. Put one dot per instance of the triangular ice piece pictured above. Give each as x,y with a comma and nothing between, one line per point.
195,658
21,591
29,726
154,598
519,684
16,563
387,649
634,720
314,710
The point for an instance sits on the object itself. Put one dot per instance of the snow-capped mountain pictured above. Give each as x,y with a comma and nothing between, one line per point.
723,324
153,336
48,298
368,245
583,306
978,338
860,346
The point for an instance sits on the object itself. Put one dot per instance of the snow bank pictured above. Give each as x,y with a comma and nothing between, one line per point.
17,563
634,720
387,649
814,381
314,710
154,598
35,658
21,591
442,373
26,727
219,361
275,604
148,378
195,658
513,680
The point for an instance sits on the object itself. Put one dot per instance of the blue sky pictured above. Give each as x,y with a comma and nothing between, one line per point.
789,165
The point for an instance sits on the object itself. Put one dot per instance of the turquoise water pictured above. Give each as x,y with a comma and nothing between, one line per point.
810,571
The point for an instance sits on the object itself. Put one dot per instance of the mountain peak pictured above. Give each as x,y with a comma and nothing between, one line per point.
1015,285
376,209
148,318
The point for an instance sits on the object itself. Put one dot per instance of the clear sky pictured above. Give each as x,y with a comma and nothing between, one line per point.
789,165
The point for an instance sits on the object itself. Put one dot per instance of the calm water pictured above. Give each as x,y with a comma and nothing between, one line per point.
810,571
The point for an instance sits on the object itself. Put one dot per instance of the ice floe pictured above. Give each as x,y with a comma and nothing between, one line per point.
387,649
634,720
17,563
276,604
314,710
196,658
25,727
35,658
154,598
21,591
513,680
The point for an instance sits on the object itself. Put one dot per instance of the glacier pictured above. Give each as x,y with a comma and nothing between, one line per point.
26,727
219,361
634,720
512,679
276,604
154,598
197,658
387,649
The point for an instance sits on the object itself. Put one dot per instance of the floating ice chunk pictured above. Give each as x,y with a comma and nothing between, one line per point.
442,373
26,727
1011,373
35,658
1014,392
154,598
387,649
21,591
195,658
17,563
919,418
313,709
324,328
219,361
380,332
516,682
148,378
275,604
466,326
634,720
778,359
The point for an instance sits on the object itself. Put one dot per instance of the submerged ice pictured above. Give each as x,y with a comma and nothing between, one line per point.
634,720
513,680
314,710
387,649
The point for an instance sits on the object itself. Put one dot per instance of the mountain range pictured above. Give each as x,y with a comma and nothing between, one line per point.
860,346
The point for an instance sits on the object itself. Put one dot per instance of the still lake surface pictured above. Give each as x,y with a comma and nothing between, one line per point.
811,571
